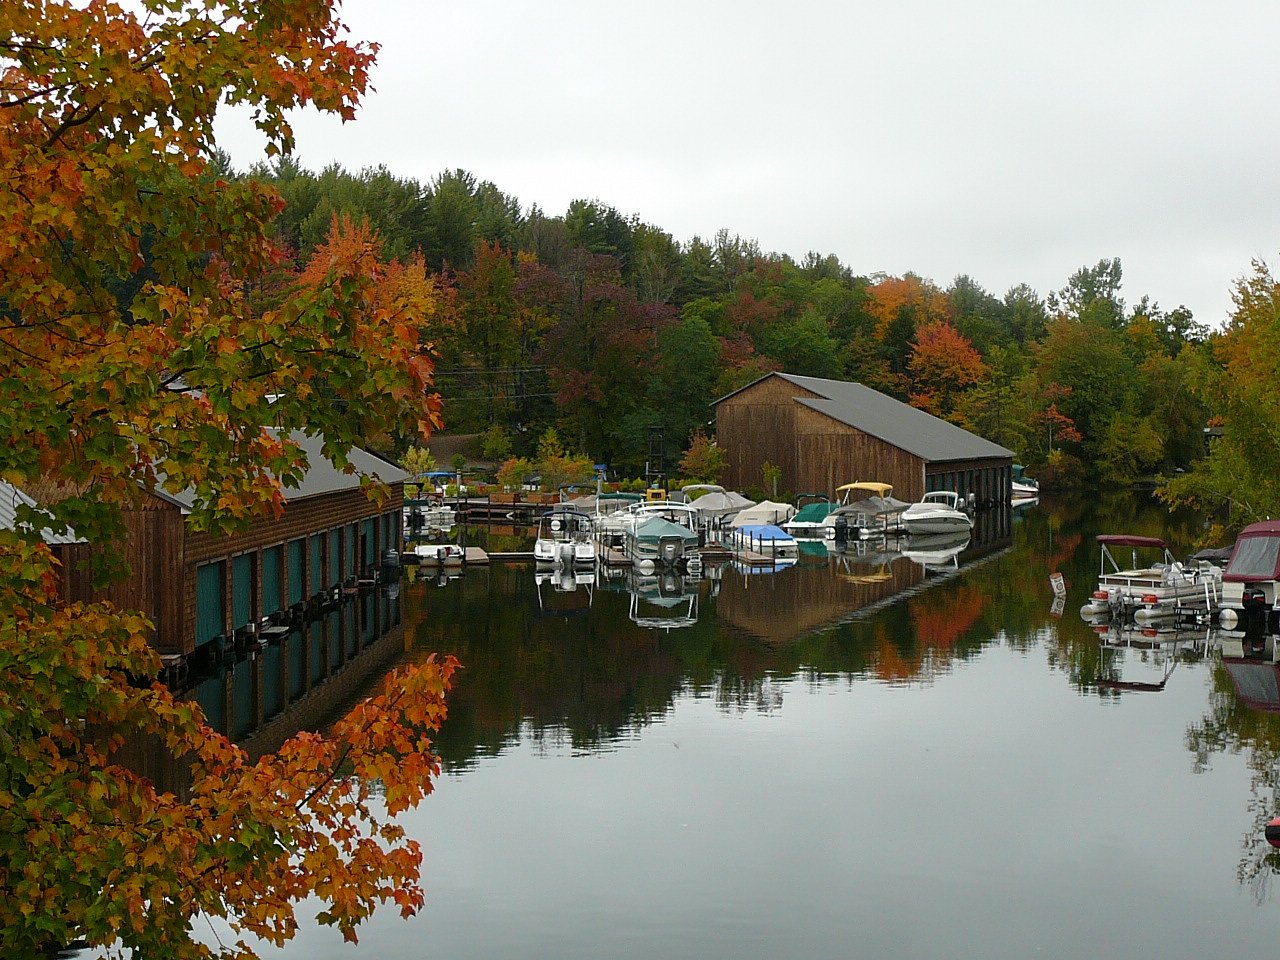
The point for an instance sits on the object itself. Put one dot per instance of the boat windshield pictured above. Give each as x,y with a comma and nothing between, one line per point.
1255,557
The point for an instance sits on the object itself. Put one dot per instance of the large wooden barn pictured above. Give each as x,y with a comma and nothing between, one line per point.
825,433
204,591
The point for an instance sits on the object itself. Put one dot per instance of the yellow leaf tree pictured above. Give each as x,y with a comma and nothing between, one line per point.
139,352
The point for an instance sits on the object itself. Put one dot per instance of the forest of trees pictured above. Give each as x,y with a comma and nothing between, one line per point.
600,326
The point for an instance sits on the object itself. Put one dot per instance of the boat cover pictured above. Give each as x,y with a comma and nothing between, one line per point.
721,503
766,531
655,528
767,511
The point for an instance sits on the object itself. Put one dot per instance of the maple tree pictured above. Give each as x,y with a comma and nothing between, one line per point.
139,353
943,367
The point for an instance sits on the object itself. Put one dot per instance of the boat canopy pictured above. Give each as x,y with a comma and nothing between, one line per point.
1125,540
657,528
870,486
1256,557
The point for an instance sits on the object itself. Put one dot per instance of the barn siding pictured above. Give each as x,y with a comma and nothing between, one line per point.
817,453
758,425
164,555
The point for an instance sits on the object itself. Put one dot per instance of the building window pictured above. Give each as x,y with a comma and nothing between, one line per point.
297,552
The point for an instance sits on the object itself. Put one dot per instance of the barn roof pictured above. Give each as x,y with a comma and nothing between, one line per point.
920,434
321,475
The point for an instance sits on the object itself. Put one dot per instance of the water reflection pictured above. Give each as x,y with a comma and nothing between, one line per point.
1243,718
812,723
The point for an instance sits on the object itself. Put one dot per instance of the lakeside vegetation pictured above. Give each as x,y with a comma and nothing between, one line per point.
599,325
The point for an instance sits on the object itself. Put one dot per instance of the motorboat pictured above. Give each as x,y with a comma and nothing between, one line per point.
714,504
564,539
863,510
653,541
810,521
938,512
1248,606
766,511
613,517
1021,486
1153,590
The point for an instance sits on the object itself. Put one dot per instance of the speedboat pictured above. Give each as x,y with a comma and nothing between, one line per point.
863,509
810,521
1153,590
1021,486
938,512
564,539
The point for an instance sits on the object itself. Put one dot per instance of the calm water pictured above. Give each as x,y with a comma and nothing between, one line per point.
853,757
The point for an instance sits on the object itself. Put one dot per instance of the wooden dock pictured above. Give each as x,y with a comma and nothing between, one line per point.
613,557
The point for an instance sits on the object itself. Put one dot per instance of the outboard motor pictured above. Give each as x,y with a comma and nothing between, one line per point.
669,551
842,531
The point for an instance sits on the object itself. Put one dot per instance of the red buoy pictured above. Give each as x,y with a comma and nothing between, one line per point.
1273,832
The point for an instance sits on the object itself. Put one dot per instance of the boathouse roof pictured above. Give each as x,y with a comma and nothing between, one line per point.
880,415
11,498
321,475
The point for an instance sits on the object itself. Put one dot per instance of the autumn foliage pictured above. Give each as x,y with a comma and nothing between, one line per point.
152,338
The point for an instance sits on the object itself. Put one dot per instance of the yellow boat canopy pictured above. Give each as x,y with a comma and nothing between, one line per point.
870,486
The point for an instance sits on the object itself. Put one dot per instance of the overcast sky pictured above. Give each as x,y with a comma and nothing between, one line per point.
1012,141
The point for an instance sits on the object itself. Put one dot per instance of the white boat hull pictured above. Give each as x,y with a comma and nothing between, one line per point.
937,523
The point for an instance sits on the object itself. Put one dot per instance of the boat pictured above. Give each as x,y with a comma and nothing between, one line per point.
1247,606
1021,486
654,541
938,512
715,505
810,521
564,539
864,509
613,517
1150,591
765,540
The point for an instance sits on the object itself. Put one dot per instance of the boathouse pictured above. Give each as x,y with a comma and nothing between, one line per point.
208,593
825,433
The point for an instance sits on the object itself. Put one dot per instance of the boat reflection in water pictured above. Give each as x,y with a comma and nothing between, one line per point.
565,592
662,599
1151,653
938,552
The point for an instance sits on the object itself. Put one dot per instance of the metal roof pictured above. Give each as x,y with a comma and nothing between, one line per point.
900,424
10,499
321,475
